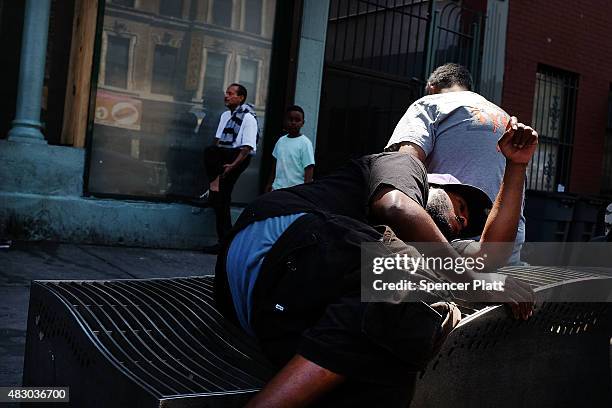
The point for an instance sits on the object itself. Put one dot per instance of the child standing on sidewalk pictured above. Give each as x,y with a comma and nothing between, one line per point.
293,155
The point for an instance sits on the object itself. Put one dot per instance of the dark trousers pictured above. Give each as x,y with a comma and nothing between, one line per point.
214,159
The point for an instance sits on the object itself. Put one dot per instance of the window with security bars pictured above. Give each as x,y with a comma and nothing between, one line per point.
554,107
606,181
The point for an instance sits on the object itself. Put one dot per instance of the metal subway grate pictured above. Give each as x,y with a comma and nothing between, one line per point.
538,276
164,333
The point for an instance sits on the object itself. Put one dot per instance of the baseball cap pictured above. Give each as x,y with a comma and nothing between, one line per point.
478,201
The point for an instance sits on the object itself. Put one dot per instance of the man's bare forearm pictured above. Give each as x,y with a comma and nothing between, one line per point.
412,224
502,222
300,383
244,152
503,219
517,145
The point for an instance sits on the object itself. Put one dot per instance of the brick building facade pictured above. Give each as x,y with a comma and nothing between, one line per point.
572,37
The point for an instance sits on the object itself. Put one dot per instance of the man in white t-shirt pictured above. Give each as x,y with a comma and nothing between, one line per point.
293,155
453,130
235,144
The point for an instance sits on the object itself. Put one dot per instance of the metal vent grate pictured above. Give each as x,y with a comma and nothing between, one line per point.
165,334
559,357
161,343
538,276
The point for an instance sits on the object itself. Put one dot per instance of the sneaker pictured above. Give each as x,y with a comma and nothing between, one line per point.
211,249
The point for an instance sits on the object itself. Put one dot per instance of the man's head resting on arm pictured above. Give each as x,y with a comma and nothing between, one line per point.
458,210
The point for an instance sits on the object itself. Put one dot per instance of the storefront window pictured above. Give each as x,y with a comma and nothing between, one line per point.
162,73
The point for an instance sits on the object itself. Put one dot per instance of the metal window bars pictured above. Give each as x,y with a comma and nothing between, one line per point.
554,107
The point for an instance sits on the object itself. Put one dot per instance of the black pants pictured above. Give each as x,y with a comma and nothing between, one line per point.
214,159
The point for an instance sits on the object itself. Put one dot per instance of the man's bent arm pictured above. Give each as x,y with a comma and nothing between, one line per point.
502,222
244,152
412,223
406,218
518,145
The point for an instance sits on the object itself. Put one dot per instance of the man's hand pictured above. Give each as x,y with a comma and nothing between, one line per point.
518,142
520,298
244,152
227,168
517,295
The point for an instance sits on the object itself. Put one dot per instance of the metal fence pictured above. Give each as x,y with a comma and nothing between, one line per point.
377,59
379,35
554,107
406,38
455,36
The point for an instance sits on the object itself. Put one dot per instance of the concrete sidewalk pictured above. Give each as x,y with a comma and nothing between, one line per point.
24,262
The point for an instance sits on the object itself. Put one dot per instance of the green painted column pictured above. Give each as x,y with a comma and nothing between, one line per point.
311,59
26,126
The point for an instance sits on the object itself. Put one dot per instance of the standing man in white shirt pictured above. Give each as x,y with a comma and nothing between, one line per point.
454,130
235,144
